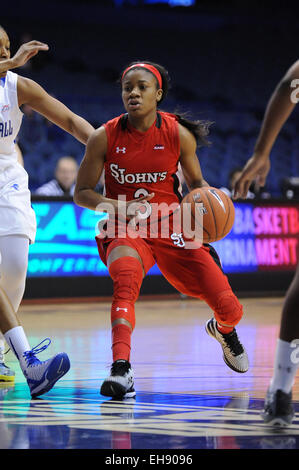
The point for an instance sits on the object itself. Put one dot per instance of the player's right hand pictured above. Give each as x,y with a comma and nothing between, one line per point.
256,169
130,210
135,207
122,209
27,51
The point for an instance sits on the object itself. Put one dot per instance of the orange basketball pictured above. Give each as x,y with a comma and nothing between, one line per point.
212,210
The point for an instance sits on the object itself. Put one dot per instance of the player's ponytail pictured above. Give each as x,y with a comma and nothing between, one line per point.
200,129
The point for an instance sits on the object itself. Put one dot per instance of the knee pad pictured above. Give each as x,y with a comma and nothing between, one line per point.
228,310
14,261
127,276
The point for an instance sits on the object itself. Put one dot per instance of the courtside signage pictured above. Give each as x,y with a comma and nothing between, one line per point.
263,238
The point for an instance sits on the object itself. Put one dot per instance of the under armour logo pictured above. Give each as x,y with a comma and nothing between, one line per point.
120,308
178,239
123,149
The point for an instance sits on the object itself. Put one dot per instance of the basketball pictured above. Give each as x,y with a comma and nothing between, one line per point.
211,210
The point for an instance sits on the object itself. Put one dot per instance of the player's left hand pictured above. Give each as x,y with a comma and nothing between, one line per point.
26,51
256,169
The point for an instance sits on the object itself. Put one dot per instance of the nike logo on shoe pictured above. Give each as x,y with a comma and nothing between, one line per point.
59,371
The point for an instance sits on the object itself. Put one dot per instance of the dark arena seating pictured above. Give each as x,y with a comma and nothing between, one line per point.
217,74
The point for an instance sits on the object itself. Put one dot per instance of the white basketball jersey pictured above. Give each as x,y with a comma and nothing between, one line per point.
10,117
16,214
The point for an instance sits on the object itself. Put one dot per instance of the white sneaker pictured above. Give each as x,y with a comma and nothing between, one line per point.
120,383
234,354
278,409
6,374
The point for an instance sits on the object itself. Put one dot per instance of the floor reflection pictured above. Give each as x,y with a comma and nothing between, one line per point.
84,420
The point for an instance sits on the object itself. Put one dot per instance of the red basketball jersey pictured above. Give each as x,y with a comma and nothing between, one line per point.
139,163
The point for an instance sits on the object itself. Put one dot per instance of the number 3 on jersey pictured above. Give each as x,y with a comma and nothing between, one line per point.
146,208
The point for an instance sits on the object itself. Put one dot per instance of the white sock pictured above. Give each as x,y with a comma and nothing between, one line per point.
17,341
284,368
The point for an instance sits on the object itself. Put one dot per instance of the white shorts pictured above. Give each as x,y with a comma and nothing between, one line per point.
16,214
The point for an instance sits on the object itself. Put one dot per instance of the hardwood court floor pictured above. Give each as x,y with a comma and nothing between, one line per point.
187,398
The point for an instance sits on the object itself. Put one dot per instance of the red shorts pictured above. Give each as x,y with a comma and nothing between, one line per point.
193,272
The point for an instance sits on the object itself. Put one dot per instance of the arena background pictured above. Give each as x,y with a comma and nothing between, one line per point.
224,59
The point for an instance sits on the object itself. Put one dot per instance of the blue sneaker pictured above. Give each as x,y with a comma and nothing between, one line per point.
42,375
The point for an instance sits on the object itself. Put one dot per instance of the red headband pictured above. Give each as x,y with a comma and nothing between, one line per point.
151,68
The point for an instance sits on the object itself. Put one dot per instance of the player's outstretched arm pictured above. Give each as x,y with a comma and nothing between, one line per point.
34,95
279,108
23,54
189,161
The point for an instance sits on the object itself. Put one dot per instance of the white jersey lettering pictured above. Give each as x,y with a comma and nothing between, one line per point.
122,177
10,117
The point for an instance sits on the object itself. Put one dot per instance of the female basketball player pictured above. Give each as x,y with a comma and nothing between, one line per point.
140,152
278,408
17,219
